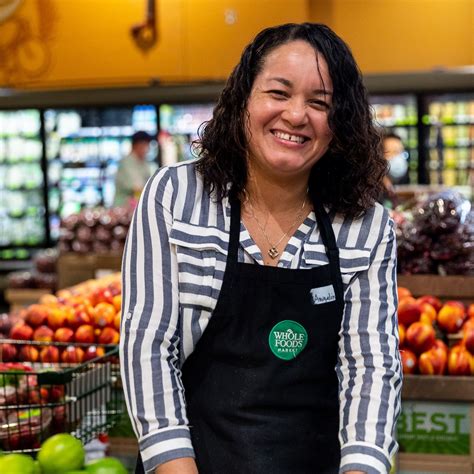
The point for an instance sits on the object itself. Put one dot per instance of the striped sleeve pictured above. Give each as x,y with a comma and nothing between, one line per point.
369,368
150,342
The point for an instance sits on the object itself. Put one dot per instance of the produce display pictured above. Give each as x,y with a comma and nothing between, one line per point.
88,313
60,454
437,236
98,230
436,338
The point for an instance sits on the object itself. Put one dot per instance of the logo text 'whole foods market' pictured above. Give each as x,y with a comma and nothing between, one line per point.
287,339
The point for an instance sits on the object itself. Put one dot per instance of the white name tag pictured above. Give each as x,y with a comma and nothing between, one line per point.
324,294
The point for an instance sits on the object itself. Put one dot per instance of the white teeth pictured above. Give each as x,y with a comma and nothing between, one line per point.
287,136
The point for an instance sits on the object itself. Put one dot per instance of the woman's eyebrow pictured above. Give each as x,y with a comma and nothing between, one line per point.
288,83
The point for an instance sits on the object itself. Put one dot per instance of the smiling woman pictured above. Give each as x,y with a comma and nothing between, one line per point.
259,282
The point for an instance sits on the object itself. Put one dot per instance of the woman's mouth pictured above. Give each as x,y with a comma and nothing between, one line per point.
289,137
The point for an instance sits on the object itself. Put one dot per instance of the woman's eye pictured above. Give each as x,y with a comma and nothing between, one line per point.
319,104
278,93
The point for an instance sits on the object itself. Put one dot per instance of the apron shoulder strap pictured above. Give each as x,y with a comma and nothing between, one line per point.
329,240
234,236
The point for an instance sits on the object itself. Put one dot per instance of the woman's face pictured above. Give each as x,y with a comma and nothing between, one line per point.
288,110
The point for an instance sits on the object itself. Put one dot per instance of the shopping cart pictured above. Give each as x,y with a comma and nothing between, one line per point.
41,399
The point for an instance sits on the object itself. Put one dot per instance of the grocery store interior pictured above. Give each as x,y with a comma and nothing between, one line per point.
79,78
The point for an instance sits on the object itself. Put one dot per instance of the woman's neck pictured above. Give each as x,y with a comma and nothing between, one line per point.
273,195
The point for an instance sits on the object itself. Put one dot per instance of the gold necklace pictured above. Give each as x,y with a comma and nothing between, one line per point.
273,250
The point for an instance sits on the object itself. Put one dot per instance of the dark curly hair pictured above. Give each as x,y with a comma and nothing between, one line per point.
348,178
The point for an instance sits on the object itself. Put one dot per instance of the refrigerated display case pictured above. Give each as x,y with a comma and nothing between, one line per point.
179,125
22,200
450,138
399,114
83,148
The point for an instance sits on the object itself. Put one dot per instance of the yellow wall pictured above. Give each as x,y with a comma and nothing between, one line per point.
69,43
402,35
87,42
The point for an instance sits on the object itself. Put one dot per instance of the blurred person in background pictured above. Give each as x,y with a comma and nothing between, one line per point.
133,171
394,152
260,331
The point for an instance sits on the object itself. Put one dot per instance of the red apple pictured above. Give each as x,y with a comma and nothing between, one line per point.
57,318
420,337
457,304
118,317
101,295
428,311
450,318
432,300
459,361
64,335
440,346
408,312
403,292
433,362
48,300
469,323
49,354
56,393
115,287
72,355
77,317
43,334
21,331
409,361
468,337
8,352
92,352
401,334
117,302
109,336
36,315
84,333
29,354
38,396
104,315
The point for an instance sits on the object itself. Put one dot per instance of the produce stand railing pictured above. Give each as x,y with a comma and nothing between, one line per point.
41,399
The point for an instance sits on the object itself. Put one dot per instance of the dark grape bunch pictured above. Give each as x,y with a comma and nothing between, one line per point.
440,237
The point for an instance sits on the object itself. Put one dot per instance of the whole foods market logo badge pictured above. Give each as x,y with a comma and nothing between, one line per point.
287,339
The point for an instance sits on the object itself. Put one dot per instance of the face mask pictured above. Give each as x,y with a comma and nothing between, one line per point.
398,165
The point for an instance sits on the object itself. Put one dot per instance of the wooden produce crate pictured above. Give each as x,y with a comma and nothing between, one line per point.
75,268
21,297
450,287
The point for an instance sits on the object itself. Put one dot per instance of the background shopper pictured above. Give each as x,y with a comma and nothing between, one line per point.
133,171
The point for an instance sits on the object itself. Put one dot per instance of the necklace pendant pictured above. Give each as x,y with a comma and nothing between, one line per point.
273,252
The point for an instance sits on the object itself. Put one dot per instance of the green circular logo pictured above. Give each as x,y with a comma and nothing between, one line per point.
287,339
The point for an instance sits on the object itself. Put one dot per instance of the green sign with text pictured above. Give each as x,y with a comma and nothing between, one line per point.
441,428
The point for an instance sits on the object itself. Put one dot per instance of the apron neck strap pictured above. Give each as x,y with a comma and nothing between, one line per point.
234,239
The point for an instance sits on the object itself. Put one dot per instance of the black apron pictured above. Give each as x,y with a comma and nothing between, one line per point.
261,388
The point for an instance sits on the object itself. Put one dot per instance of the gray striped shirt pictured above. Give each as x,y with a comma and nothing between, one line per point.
173,267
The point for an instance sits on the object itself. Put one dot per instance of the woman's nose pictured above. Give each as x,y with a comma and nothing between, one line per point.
295,112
